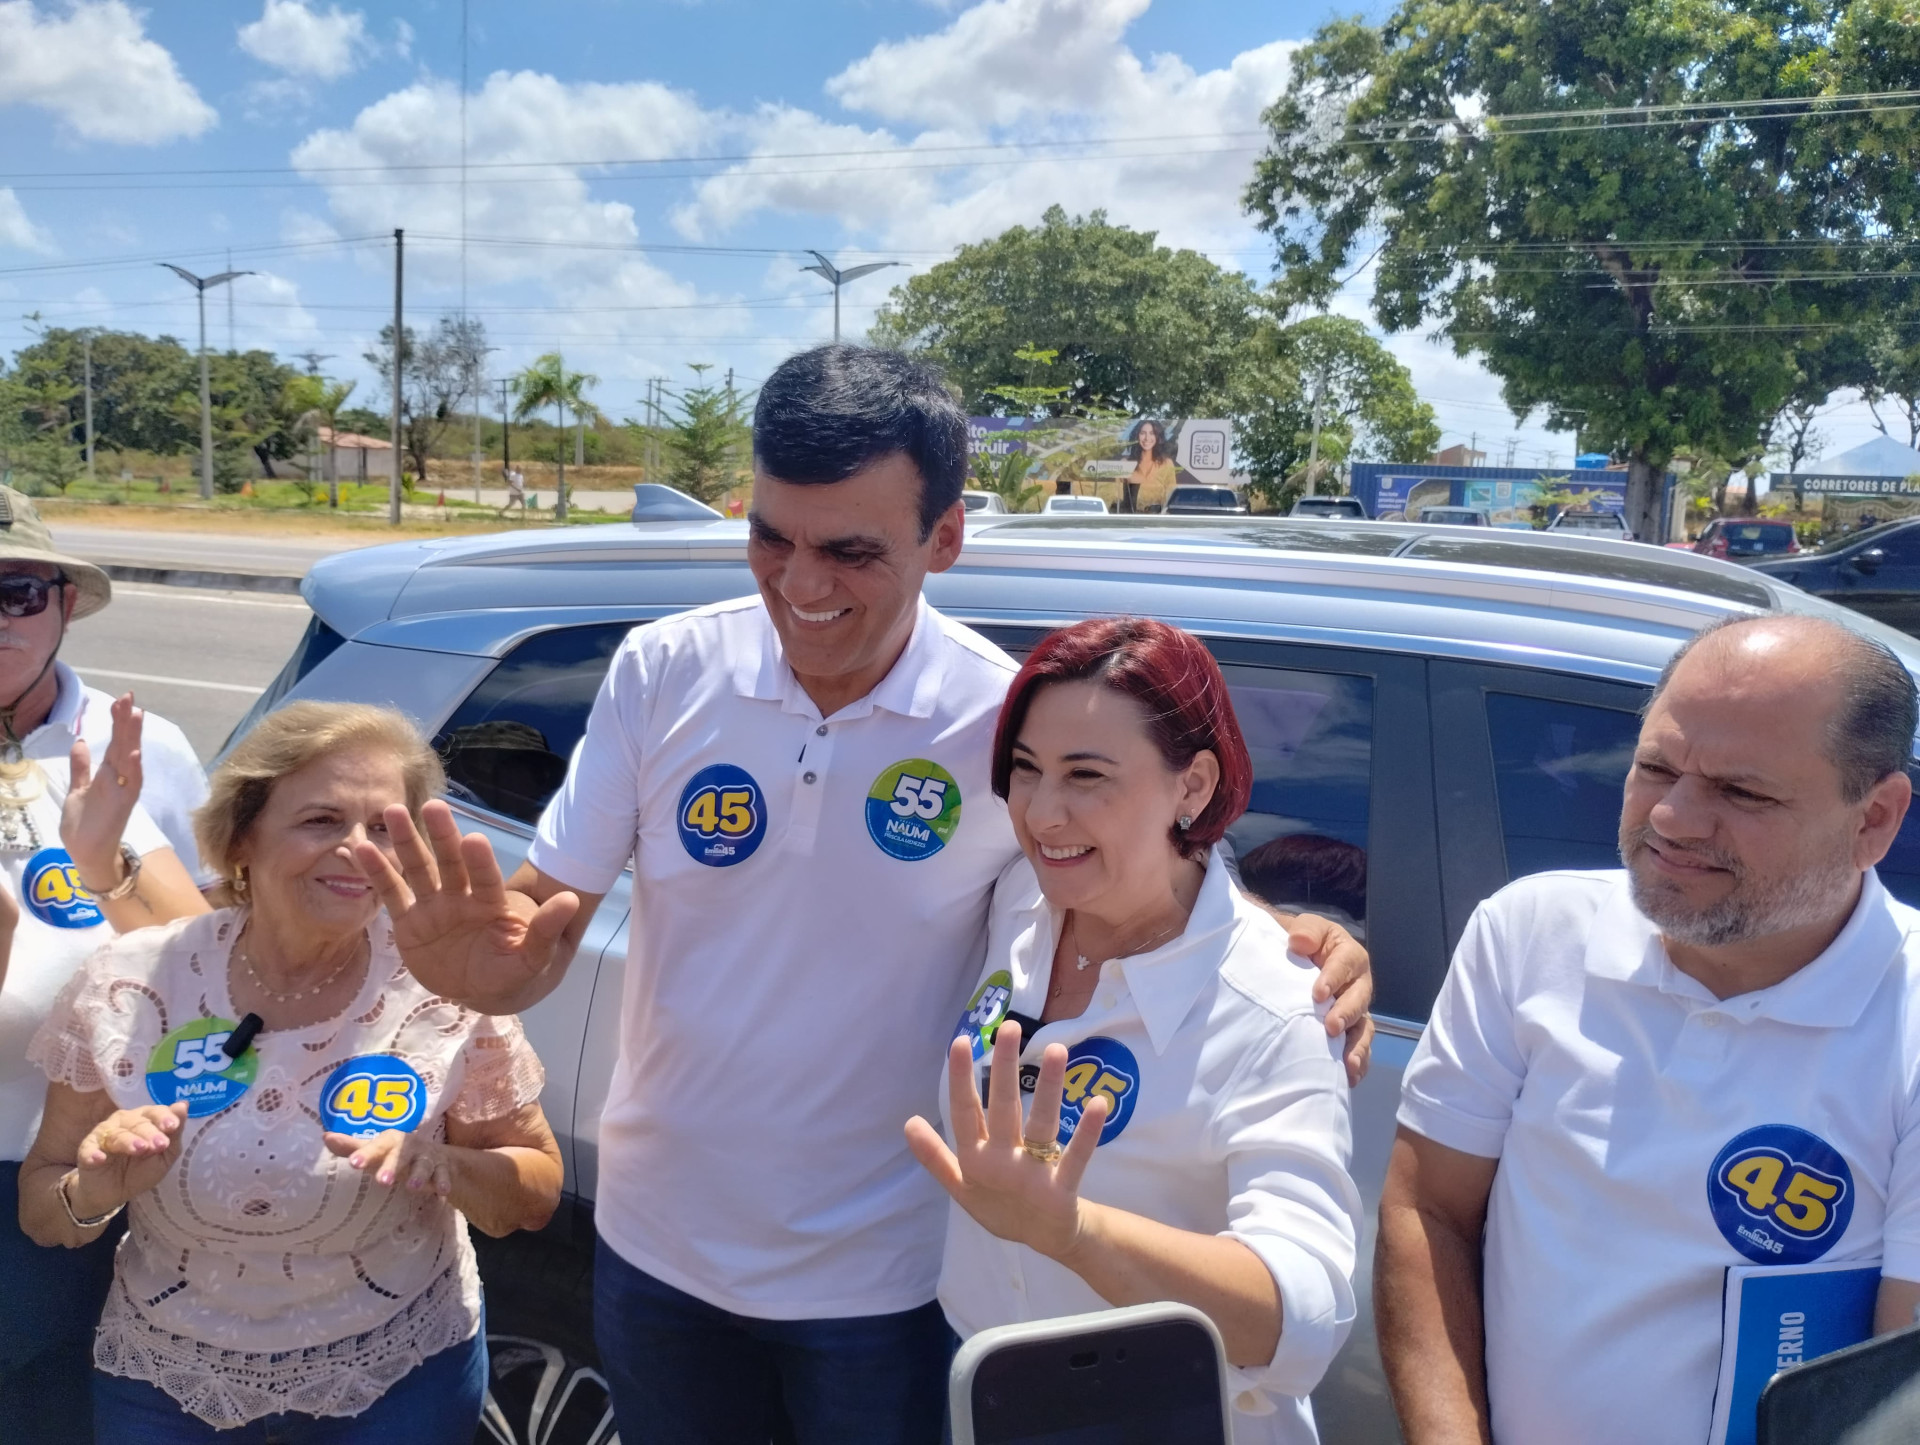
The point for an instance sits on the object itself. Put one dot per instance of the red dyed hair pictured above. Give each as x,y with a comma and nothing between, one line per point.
1173,677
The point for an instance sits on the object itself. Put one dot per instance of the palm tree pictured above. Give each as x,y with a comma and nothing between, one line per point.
321,402
548,383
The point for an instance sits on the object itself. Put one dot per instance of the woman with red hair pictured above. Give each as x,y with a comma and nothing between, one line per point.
1164,1116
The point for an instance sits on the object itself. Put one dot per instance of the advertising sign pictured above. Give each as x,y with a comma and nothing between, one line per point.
1145,457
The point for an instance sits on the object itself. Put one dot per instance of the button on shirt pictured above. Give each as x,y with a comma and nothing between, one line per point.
1638,1119
809,904
1233,1119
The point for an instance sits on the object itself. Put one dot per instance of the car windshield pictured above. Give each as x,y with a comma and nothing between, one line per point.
1589,522
974,501
1848,539
1076,504
1759,536
1203,497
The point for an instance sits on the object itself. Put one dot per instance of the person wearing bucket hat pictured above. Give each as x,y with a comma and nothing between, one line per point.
80,858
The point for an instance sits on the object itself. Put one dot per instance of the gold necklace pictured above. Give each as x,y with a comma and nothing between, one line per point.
246,962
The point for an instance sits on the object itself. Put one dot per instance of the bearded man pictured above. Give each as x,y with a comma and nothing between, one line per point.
1634,1080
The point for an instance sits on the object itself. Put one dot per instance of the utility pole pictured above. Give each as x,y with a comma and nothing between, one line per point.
230,346
560,445
86,344
200,285
399,263
506,428
837,278
1313,446
473,390
313,360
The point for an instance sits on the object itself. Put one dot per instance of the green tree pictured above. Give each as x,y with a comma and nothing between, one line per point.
319,403
1368,408
1005,475
707,442
1132,324
139,384
548,383
436,374
1651,273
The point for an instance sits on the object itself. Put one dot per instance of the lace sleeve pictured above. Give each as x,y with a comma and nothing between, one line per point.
64,1047
502,1073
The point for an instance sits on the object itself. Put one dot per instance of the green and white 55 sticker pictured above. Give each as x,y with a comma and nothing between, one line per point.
190,1064
913,809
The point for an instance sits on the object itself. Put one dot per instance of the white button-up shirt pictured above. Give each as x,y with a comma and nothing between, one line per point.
1229,1116
175,784
1650,1135
809,906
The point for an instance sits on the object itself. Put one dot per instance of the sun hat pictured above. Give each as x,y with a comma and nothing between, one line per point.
25,538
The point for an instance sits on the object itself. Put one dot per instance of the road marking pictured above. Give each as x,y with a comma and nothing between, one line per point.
184,594
170,681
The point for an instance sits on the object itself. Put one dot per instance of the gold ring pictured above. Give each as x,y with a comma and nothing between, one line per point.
1047,1151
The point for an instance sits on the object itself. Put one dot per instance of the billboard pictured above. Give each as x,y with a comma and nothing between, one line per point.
1135,460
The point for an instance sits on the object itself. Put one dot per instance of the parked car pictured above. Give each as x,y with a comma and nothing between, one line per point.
1456,516
1875,571
1592,524
1204,501
1741,538
1078,505
1344,508
1448,709
978,503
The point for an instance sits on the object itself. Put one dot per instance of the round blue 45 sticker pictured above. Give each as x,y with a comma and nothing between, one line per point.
51,886
371,1094
1780,1195
722,817
1099,1067
190,1064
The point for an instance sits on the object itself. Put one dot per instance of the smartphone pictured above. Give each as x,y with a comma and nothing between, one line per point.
1144,1375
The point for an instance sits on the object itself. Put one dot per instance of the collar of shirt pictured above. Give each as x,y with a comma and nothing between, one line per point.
1163,982
1830,992
54,737
910,688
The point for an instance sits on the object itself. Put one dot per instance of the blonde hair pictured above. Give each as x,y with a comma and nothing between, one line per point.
285,741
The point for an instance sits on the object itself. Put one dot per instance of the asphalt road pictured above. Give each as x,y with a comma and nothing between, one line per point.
198,658
202,551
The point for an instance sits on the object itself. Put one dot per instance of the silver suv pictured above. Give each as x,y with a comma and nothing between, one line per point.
1431,712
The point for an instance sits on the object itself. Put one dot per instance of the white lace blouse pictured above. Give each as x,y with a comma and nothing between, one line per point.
264,1273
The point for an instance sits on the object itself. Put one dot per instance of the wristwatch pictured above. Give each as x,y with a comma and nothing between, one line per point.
131,861
66,1203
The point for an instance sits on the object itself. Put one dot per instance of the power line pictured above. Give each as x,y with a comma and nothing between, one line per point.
1783,104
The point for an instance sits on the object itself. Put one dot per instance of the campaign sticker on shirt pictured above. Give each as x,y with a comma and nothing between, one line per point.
913,809
51,885
985,1010
1099,1066
372,1093
1780,1195
723,816
189,1063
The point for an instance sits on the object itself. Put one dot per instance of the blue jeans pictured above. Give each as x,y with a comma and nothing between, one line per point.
683,1372
50,1301
437,1402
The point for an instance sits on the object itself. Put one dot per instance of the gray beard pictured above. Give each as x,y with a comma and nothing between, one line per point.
1754,909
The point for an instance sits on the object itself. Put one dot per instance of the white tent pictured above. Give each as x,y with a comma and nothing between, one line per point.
1881,457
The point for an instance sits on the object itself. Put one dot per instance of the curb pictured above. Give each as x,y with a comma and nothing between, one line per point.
194,577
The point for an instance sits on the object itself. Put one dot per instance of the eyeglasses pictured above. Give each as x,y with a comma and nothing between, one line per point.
27,596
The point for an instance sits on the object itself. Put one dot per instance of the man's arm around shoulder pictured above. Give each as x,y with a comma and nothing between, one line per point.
1427,1299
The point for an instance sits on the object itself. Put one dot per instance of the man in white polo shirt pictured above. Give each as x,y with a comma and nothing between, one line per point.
800,781
1634,1080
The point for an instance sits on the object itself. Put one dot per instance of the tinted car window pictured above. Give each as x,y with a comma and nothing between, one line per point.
1202,497
506,748
1753,538
1302,843
1558,771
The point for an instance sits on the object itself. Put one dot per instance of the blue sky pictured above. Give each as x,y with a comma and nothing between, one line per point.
300,133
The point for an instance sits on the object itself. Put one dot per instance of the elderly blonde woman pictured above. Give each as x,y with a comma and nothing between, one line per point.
294,1126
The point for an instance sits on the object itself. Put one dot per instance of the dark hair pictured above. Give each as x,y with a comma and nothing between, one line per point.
1163,449
1308,871
1872,734
828,412
1168,672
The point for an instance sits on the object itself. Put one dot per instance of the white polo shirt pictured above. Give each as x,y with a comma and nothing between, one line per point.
174,785
60,927
809,906
1230,1117
1650,1135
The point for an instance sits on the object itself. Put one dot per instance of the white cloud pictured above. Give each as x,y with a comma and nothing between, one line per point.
403,40
17,231
290,37
96,69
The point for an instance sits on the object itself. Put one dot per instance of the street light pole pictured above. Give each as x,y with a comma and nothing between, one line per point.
837,278
200,285
399,342
86,347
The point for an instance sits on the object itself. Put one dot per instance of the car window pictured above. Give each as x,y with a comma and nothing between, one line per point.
507,746
1302,843
315,646
1559,768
